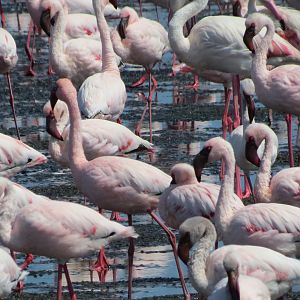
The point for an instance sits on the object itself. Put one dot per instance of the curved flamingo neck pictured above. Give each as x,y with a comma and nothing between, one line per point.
76,152
179,43
108,55
252,6
227,204
262,183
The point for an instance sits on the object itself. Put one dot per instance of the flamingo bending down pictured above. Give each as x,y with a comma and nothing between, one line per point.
71,230
99,137
284,186
280,83
16,156
272,225
130,183
140,41
10,273
206,268
94,98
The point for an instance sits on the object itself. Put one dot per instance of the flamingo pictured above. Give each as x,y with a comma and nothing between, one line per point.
130,183
284,186
71,230
140,41
70,59
197,237
237,137
94,98
8,60
272,225
10,274
280,83
99,137
16,156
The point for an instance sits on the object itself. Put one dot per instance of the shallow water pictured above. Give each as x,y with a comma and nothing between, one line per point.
182,121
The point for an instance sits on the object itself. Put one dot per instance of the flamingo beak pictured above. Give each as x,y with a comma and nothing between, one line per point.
248,37
173,179
114,3
233,284
236,9
251,107
251,152
184,246
45,21
200,161
282,24
51,126
53,98
122,27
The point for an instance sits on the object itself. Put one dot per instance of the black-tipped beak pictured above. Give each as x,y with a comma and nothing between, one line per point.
184,246
200,161
122,27
251,152
173,180
233,285
114,3
53,98
248,37
251,107
51,126
236,9
45,21
282,24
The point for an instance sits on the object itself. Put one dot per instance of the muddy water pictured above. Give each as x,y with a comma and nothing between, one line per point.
182,120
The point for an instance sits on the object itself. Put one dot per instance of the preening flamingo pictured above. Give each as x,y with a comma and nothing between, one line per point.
99,137
125,185
16,156
284,186
143,42
206,269
280,83
271,225
95,100
10,273
56,229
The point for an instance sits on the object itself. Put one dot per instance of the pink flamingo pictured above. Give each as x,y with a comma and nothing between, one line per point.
57,229
280,83
143,42
8,60
272,225
284,186
10,274
131,184
206,268
94,98
99,137
16,156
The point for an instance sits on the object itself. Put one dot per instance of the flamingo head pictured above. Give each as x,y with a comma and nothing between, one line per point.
128,16
192,231
248,92
214,149
183,174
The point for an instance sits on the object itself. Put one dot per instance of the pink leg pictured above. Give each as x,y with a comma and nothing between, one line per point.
11,100
172,240
18,16
130,261
102,275
236,97
225,119
140,81
139,124
102,262
157,13
195,85
115,216
140,4
270,117
3,18
151,91
288,119
238,188
32,28
27,262
69,282
248,187
59,282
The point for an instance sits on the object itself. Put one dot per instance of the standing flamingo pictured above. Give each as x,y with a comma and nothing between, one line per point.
271,225
284,186
280,83
8,60
57,229
125,185
10,273
94,98
206,269
99,137
141,41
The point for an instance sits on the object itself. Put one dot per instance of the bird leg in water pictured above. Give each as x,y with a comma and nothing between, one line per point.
130,260
115,216
225,119
27,262
238,188
172,239
236,100
288,120
31,29
101,263
140,4
3,19
11,100
72,294
140,81
248,191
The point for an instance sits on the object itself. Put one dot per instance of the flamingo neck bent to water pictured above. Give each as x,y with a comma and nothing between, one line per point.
179,43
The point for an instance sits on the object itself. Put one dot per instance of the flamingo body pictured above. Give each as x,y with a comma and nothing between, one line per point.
8,51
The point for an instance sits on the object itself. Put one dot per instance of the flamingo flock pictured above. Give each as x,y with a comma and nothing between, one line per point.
231,249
